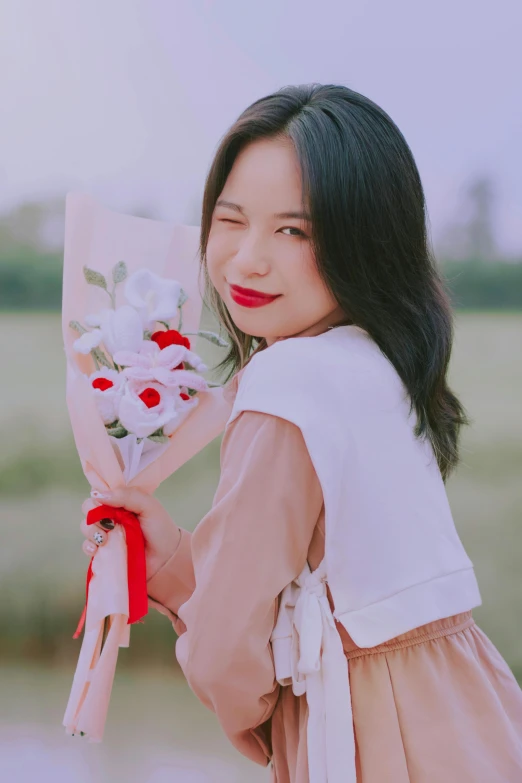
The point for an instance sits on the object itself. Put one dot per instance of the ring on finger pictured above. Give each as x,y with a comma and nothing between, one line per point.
98,537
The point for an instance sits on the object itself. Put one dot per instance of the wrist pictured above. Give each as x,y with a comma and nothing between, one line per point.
157,560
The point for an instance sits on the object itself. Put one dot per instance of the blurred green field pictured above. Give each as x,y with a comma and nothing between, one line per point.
42,567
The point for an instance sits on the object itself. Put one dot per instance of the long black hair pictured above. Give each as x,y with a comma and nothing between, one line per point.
369,236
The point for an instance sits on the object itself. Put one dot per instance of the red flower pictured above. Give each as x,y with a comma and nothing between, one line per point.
102,383
171,337
150,397
184,396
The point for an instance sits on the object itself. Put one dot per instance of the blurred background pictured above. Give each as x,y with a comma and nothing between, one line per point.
127,100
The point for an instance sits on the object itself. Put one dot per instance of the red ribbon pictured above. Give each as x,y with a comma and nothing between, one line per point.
136,565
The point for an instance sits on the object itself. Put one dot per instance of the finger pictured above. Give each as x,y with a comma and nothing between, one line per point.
88,504
89,548
94,533
129,498
99,537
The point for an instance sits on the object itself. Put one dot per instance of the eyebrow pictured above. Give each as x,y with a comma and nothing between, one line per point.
279,215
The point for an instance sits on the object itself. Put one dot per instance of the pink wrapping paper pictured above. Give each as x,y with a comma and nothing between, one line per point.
98,238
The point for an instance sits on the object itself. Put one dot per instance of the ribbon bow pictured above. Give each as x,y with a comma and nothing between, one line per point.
136,564
308,653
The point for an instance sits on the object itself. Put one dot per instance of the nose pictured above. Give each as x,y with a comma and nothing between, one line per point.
251,257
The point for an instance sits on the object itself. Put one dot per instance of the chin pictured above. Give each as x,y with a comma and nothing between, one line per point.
246,330
248,320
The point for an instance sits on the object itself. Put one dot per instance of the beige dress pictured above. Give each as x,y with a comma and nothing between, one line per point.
435,705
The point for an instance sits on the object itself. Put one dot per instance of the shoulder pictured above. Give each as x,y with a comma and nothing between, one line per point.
261,430
345,359
265,443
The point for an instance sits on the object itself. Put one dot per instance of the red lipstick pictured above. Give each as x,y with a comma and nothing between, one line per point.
247,297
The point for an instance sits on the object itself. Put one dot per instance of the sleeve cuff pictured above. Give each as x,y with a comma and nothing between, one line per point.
262,735
174,582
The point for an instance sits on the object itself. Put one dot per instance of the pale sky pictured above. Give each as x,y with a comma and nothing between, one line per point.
128,99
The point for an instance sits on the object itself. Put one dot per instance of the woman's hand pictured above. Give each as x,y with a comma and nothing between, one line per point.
159,530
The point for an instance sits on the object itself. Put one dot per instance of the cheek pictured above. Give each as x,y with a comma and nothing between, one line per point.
216,257
300,269
313,292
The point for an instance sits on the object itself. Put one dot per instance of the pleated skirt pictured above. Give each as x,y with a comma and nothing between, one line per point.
435,705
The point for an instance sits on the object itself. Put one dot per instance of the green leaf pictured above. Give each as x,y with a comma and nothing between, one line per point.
94,278
117,432
164,323
119,272
77,327
182,298
147,335
98,354
213,338
158,438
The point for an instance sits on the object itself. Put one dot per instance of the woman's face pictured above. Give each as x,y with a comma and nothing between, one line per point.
260,240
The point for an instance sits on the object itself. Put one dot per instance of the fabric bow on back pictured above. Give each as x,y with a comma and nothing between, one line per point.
309,657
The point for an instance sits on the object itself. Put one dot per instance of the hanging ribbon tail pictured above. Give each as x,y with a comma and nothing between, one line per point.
339,735
81,622
136,565
84,613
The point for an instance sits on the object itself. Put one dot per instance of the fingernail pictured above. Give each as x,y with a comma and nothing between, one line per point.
105,495
90,548
108,524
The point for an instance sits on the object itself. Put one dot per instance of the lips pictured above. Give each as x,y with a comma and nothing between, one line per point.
247,297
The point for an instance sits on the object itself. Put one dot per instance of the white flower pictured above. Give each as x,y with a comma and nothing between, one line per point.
155,298
154,364
88,341
183,408
108,386
119,330
145,407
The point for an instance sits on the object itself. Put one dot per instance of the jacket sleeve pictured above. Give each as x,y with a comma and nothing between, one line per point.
250,545
174,582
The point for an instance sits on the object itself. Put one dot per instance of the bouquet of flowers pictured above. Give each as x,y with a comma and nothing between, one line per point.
138,403
144,384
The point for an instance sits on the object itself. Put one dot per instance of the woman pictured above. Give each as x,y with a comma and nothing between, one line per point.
314,226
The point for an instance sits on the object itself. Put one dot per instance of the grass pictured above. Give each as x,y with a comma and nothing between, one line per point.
42,567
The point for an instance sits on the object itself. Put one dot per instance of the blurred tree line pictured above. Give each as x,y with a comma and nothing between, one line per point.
477,276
